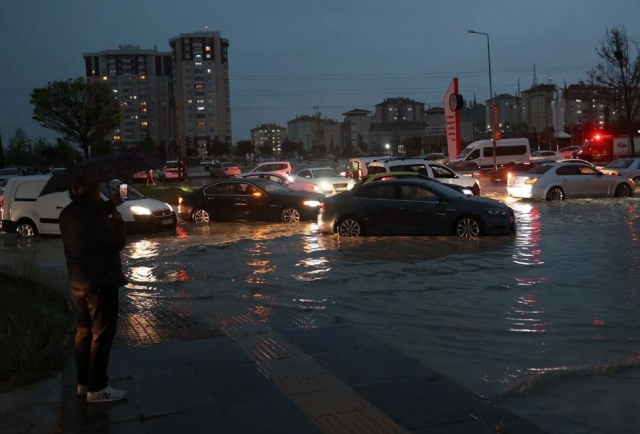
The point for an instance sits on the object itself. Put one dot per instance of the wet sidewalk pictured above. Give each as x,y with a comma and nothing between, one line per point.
254,379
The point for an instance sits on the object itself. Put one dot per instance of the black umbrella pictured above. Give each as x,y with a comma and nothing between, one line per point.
99,169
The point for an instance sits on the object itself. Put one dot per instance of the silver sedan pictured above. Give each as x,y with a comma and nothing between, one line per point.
559,181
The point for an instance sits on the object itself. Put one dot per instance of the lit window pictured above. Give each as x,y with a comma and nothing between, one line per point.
198,63
115,90
144,110
207,48
116,137
200,101
144,123
198,56
209,71
143,77
200,109
190,101
105,78
143,103
200,86
201,123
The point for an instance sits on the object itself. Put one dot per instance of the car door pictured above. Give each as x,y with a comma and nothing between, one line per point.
48,209
218,201
251,203
570,179
379,206
445,175
417,210
595,183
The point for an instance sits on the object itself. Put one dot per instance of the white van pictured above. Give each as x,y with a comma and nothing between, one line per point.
508,151
359,167
26,212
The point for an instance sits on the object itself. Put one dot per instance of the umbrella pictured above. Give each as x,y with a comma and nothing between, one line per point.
99,169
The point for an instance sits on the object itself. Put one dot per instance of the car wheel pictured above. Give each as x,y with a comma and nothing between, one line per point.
468,227
475,190
349,227
623,190
290,215
637,181
200,216
26,229
555,194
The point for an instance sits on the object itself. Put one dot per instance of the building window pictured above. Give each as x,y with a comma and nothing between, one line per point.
199,86
207,48
143,103
201,123
144,123
143,77
189,101
197,63
200,108
105,78
116,138
200,101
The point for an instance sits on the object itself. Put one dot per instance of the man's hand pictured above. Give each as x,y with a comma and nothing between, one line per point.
116,199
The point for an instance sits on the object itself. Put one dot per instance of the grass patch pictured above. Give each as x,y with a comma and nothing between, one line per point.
164,192
32,316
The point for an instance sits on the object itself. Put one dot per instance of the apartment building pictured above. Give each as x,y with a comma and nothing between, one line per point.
141,79
201,91
268,134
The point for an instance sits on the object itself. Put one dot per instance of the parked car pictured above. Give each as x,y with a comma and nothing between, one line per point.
174,171
8,173
629,167
502,175
248,200
26,212
359,167
432,170
568,151
287,181
224,170
412,207
281,167
508,151
560,181
436,157
546,155
466,168
325,180
409,175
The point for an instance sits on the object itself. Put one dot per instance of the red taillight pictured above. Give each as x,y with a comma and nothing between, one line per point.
323,206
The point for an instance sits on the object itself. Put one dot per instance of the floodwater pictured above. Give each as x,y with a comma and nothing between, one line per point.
546,322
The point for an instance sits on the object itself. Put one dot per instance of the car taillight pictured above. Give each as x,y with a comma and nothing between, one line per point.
180,200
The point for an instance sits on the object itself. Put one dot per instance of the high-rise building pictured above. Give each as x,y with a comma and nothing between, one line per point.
302,129
268,134
510,112
201,91
395,120
355,128
142,81
536,103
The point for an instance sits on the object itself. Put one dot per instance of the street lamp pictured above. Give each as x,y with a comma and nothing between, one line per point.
495,165
387,146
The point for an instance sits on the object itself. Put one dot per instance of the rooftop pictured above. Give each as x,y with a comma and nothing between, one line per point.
303,118
128,49
268,126
398,100
357,112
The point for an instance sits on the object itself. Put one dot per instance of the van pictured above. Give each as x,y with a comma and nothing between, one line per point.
359,167
19,204
508,152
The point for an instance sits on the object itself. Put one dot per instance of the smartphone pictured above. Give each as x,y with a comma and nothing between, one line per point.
124,188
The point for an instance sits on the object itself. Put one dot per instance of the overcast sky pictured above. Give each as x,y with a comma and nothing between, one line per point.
287,56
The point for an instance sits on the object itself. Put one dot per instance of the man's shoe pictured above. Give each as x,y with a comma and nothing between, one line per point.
82,390
108,394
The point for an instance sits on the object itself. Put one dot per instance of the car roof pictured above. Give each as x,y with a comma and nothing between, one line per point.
274,162
246,175
403,160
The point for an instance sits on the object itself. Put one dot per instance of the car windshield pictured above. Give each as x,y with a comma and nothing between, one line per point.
465,152
325,173
270,186
110,188
539,170
8,171
619,164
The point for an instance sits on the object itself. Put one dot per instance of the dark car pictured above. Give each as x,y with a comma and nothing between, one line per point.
248,200
413,207
501,175
387,176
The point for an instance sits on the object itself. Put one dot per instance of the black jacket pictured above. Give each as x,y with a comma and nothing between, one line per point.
92,244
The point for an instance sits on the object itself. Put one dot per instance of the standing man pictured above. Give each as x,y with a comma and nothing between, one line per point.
92,245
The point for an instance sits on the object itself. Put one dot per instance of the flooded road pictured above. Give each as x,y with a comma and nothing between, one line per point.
546,322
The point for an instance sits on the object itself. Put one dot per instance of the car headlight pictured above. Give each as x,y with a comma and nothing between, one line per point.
311,203
325,186
496,211
316,188
290,178
139,210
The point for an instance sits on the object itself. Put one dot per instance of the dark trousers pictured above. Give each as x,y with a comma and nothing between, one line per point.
97,318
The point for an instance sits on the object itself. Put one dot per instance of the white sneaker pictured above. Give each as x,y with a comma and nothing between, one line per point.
81,390
107,394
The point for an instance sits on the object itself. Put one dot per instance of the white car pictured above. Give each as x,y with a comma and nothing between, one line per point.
427,168
560,181
546,155
287,181
281,167
436,157
629,167
568,151
324,180
26,212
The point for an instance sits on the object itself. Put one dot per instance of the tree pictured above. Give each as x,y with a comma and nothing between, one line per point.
618,76
244,147
102,147
85,112
266,150
218,148
288,148
19,151
319,151
148,146
1,153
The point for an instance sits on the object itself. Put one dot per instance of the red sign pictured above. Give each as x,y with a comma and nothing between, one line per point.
452,120
495,122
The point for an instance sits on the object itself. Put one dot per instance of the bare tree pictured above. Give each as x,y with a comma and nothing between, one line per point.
618,76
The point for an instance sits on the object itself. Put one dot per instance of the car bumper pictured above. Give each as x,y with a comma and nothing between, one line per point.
500,226
8,226
147,224
521,191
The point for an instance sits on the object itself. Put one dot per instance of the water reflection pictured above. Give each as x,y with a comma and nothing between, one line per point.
144,249
527,250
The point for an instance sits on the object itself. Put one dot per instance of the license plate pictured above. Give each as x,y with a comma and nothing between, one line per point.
167,221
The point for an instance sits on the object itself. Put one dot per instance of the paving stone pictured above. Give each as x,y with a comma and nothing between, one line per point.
413,403
156,359
272,416
240,383
132,427
204,420
321,340
213,353
467,427
371,366
171,393
77,414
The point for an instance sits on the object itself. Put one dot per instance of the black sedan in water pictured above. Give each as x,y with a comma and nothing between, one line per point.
413,207
248,200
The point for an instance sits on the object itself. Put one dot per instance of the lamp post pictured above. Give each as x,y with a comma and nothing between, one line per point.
493,137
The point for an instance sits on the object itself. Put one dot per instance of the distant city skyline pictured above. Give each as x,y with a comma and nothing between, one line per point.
286,57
